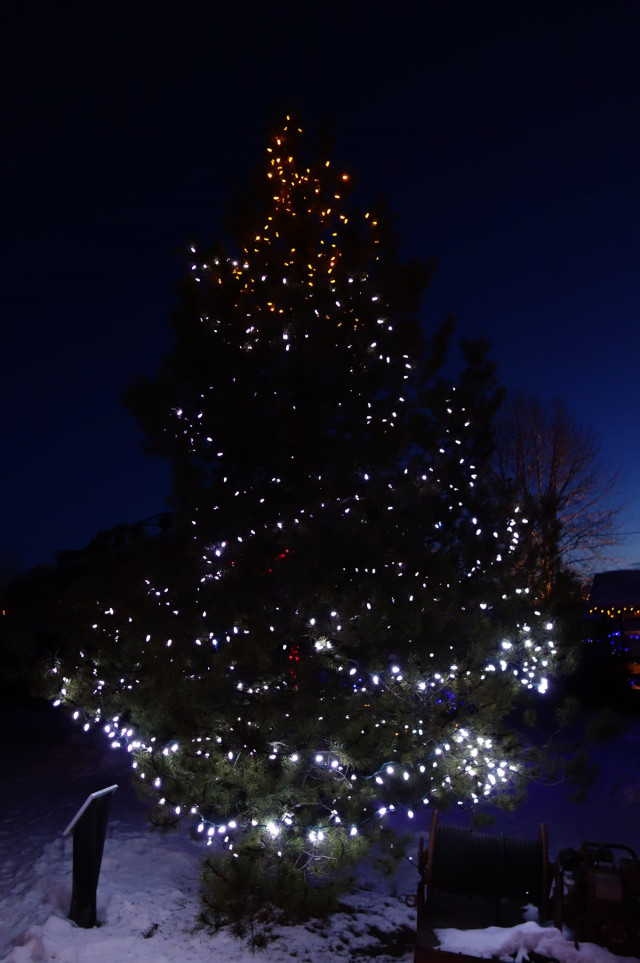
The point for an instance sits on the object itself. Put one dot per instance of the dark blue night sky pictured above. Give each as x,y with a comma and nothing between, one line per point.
506,137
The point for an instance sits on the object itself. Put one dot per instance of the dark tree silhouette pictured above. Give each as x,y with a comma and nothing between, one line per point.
549,462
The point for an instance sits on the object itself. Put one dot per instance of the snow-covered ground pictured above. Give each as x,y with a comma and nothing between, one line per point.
148,890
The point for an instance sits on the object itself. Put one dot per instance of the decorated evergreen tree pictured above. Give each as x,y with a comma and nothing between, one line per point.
332,628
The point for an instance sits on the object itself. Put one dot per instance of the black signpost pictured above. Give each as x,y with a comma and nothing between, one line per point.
89,827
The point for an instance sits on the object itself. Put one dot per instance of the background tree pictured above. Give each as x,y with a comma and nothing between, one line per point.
332,628
44,608
549,462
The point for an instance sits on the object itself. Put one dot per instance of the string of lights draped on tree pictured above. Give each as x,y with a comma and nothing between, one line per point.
334,629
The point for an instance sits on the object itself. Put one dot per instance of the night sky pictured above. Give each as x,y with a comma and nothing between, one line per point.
505,135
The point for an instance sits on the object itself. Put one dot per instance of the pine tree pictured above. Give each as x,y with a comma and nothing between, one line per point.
332,629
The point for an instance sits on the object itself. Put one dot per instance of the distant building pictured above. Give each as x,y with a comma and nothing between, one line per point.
614,617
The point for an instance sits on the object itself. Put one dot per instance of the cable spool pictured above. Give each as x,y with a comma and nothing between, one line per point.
461,861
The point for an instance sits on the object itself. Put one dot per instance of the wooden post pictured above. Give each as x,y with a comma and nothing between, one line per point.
89,827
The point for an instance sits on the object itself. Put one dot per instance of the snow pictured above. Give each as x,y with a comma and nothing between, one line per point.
148,889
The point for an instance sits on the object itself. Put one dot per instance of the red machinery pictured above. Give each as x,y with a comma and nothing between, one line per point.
598,897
